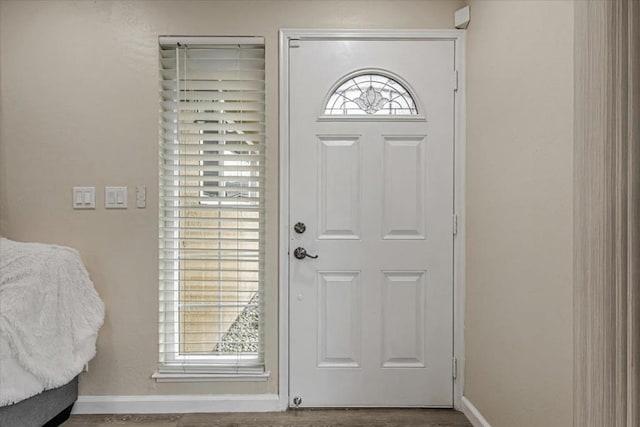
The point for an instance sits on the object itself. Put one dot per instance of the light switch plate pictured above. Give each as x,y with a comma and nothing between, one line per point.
115,197
84,197
141,196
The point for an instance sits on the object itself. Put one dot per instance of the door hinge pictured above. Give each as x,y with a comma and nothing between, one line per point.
294,43
455,81
455,224
455,368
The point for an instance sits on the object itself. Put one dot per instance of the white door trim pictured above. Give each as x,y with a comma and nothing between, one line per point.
458,36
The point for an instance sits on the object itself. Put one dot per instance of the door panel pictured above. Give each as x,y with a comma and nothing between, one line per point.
403,309
339,187
403,179
339,331
371,319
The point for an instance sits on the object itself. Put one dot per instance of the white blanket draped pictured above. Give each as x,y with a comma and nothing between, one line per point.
50,315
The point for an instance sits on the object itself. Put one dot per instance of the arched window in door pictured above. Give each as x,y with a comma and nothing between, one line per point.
369,94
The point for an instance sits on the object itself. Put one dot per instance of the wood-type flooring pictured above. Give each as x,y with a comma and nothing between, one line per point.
292,418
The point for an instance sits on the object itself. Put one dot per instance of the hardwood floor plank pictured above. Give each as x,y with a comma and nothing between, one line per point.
149,420
293,418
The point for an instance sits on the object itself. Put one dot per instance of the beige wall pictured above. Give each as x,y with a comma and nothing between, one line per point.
79,106
519,212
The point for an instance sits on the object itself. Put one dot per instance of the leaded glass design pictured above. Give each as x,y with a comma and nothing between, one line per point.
371,94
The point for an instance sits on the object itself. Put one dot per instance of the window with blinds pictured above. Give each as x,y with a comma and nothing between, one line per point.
211,204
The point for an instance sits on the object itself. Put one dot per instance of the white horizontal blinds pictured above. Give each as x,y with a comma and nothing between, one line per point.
211,205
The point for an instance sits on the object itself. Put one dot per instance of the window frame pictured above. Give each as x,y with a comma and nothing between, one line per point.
174,366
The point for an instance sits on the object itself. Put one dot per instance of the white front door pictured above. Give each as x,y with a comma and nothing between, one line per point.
371,178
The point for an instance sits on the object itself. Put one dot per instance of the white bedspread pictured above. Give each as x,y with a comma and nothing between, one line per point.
50,315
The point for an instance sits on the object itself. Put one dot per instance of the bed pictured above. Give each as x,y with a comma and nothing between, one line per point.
50,314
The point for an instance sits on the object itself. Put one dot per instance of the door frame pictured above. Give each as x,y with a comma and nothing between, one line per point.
458,37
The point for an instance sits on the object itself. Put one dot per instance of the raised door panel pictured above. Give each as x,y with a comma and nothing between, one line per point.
339,187
403,317
339,332
403,191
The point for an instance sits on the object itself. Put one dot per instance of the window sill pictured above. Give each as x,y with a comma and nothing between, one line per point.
184,377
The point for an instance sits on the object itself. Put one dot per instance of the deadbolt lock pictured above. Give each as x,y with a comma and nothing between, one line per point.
300,227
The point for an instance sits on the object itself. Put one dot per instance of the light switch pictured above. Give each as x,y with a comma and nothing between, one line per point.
84,197
115,197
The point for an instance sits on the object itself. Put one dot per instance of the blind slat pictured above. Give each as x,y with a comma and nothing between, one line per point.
209,95
221,83
195,85
255,138
215,61
203,71
185,147
216,105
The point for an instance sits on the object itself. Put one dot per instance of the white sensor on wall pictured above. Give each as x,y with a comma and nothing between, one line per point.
462,18
115,197
141,196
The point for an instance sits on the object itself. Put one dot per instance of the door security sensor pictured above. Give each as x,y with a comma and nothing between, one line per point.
462,17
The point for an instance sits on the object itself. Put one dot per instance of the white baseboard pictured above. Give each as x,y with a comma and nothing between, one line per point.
476,418
170,404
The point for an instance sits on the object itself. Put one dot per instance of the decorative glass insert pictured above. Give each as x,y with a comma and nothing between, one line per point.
371,94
